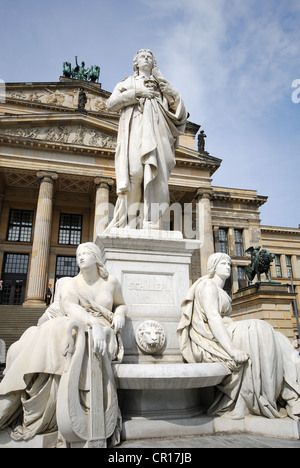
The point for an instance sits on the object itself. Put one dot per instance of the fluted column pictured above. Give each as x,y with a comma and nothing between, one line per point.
1,201
205,227
103,186
41,240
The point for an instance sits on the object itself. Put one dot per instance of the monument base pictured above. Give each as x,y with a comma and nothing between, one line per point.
266,301
139,428
153,268
203,425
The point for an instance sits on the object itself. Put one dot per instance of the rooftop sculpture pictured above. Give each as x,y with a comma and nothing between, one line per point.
80,72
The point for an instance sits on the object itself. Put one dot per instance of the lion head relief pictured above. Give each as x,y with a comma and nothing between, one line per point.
150,336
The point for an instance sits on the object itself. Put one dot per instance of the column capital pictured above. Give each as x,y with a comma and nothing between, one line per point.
103,182
203,193
47,176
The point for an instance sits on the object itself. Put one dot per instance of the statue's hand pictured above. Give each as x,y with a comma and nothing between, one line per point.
118,322
146,94
167,88
239,356
100,345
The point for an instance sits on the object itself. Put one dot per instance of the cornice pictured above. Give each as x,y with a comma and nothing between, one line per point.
63,83
44,119
258,200
281,230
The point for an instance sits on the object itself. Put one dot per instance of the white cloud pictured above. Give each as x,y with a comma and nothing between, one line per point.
234,62
230,53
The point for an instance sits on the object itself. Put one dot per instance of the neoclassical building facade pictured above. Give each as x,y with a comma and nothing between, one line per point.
57,187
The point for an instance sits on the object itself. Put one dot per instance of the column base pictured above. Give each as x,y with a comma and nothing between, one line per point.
34,303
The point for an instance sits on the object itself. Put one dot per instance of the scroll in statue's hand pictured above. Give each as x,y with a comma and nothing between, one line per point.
164,85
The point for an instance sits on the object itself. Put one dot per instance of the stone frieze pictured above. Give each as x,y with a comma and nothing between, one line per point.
77,135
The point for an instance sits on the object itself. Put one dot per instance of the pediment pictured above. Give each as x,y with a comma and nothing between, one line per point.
62,94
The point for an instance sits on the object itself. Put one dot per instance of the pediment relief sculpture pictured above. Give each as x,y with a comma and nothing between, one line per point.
62,98
78,135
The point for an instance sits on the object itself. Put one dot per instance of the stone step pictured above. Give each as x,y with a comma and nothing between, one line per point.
14,321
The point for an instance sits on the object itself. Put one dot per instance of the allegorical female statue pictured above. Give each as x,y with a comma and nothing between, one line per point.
35,364
265,378
153,116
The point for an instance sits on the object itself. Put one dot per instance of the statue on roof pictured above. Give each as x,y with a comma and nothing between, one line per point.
80,72
201,142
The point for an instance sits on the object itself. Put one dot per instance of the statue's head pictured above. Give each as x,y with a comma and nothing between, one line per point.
138,55
94,250
214,260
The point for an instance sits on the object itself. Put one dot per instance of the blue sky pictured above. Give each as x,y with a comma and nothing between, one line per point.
233,61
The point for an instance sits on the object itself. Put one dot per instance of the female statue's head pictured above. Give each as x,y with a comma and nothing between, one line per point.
94,250
137,56
214,261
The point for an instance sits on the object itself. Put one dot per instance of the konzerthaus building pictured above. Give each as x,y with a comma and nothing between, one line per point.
57,177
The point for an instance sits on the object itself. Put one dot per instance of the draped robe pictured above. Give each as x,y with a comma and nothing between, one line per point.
35,363
148,128
269,382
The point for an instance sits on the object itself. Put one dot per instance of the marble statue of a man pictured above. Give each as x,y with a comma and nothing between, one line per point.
153,116
35,364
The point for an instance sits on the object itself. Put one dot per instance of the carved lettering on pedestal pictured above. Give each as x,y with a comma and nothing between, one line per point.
148,288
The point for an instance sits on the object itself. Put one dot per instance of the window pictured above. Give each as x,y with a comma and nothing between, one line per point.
223,240
241,273
288,260
66,266
278,266
70,228
16,263
242,280
20,226
238,242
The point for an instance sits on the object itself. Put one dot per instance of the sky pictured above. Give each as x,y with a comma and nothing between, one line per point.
236,63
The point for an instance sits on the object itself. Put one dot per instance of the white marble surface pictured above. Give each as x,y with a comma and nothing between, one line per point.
153,115
169,376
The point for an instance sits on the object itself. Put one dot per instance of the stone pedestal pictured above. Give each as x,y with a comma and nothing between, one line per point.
155,385
266,301
153,268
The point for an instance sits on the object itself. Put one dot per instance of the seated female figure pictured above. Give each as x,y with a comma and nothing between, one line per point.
28,393
264,376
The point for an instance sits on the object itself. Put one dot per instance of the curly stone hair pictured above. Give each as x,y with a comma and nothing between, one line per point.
135,59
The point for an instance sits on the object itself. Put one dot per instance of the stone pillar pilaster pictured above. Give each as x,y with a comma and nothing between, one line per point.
205,227
103,186
41,241
1,201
